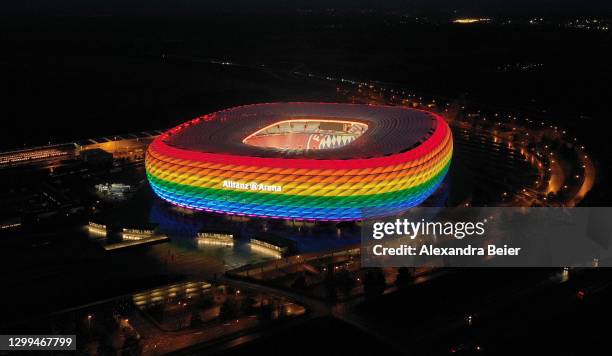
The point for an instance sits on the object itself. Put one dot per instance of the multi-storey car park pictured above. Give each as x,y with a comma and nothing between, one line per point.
312,161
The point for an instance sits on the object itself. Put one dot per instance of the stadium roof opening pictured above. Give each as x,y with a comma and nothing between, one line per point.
307,134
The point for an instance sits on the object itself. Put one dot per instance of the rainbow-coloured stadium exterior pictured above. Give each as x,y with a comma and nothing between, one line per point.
204,164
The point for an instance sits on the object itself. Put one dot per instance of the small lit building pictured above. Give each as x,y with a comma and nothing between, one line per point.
97,228
272,244
138,232
171,292
113,190
215,237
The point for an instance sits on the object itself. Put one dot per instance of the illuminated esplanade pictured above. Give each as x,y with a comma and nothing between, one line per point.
315,161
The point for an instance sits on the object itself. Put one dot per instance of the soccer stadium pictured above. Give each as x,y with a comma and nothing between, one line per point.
305,161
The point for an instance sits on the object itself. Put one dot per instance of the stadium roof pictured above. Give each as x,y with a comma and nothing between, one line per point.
391,129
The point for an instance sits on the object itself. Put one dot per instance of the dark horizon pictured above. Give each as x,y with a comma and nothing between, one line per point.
236,7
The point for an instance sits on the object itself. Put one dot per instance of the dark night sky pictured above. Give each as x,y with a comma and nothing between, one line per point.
202,7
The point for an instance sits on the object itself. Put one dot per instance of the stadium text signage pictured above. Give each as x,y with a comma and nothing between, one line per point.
254,186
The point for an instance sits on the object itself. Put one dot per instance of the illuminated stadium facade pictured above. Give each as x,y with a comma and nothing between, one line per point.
309,161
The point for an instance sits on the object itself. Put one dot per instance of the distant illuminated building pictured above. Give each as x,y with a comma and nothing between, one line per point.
470,20
97,229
